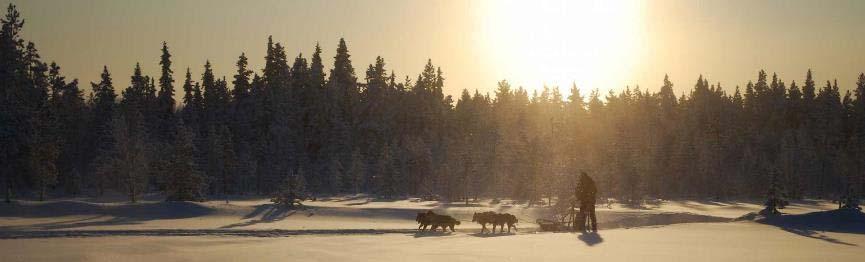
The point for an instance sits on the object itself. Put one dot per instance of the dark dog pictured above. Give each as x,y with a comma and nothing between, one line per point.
430,218
508,219
484,218
423,220
500,220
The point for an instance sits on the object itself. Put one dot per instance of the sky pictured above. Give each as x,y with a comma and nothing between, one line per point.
603,45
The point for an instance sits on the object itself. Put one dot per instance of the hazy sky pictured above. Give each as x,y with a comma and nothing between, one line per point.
600,44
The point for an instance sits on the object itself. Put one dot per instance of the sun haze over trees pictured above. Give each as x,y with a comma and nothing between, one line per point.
340,130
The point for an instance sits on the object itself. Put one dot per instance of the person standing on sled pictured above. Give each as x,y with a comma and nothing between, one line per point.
586,193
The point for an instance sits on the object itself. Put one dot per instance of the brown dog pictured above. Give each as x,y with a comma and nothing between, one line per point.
442,221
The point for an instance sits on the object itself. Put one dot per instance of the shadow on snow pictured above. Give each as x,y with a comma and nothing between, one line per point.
125,214
813,224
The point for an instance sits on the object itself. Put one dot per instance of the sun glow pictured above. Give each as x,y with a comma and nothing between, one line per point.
595,44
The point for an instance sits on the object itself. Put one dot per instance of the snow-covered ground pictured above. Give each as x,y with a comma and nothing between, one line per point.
349,212
356,228
740,241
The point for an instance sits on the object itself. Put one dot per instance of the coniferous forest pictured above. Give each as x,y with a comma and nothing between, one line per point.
339,129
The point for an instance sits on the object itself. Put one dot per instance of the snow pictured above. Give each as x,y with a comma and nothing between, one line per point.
740,241
356,228
348,212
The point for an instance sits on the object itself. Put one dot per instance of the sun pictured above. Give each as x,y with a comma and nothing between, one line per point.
594,44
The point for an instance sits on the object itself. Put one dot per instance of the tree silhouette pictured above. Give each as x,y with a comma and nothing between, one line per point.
292,122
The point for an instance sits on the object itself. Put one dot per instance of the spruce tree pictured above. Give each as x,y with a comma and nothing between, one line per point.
70,132
44,151
228,161
335,173
343,82
809,89
185,181
14,111
316,69
130,160
775,195
165,111
188,93
355,177
241,79
215,95
291,191
103,107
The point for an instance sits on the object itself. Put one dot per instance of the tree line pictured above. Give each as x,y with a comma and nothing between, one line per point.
331,132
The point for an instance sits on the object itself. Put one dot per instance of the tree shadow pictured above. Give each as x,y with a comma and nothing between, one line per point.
812,224
73,223
353,198
657,219
122,214
638,205
712,203
359,203
257,211
688,204
386,200
805,202
816,235
590,238
460,204
702,205
269,213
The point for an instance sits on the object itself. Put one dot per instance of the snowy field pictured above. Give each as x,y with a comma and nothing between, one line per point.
356,228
